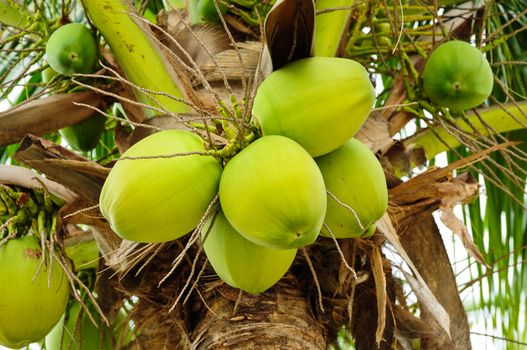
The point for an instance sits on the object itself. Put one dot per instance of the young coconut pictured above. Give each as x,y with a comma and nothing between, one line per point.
85,135
355,177
320,102
29,308
72,49
241,263
273,194
457,76
160,199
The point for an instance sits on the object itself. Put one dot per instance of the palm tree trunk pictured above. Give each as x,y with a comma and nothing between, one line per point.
277,319
432,261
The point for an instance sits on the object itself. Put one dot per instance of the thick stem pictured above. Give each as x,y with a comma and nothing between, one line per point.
496,119
138,56
277,319
12,14
431,259
331,27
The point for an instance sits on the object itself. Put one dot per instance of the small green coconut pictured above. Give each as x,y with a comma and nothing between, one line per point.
84,136
241,263
72,49
457,76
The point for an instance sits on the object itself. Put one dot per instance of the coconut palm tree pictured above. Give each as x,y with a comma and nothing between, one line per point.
197,66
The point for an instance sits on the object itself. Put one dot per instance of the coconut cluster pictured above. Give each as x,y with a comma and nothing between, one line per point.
305,176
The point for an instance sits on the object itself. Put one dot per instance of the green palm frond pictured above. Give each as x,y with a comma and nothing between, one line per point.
499,219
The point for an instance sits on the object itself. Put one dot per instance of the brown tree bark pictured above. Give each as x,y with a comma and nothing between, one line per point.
277,319
431,259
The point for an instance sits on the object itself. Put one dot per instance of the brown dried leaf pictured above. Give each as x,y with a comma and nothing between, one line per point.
107,241
419,286
460,192
109,295
413,188
228,63
289,31
374,133
458,227
46,115
380,290
16,175
199,43
81,176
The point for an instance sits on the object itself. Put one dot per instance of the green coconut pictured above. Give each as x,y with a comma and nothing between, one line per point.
241,263
72,49
84,136
457,76
320,102
355,177
29,308
273,194
160,199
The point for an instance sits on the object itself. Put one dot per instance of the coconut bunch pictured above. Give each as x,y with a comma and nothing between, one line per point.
265,195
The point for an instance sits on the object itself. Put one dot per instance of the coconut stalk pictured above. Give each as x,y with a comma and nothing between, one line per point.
12,14
497,119
138,55
331,26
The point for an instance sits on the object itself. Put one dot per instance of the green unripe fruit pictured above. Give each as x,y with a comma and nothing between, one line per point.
29,309
84,136
354,175
84,255
383,27
160,199
72,49
384,41
457,76
320,102
242,264
273,194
